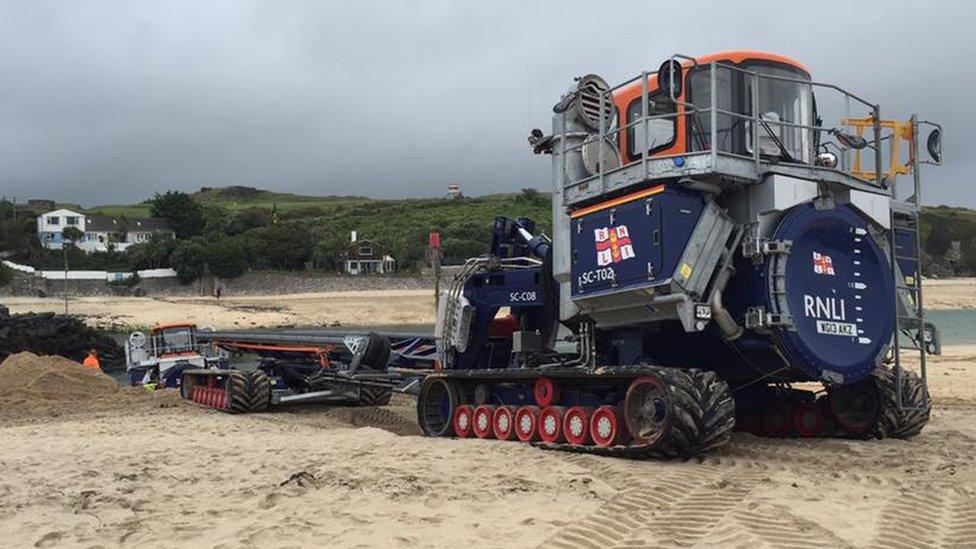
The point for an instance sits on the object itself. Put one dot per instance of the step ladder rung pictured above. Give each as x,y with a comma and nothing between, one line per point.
910,348
908,257
909,288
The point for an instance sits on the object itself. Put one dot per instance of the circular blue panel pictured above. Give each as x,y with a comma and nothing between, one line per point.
839,291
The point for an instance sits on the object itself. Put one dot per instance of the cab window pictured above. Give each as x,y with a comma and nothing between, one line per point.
660,131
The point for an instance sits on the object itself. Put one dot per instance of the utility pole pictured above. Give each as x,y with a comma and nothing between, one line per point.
434,251
64,248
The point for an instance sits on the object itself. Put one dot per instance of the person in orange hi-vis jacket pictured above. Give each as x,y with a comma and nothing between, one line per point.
91,361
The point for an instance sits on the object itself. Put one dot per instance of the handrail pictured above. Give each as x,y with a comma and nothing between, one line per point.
605,134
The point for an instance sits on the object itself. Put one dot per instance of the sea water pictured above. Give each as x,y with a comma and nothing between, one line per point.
955,326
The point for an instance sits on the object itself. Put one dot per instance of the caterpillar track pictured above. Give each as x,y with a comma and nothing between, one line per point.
664,413
635,412
867,409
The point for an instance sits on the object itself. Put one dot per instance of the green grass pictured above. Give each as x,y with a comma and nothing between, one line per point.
130,210
401,225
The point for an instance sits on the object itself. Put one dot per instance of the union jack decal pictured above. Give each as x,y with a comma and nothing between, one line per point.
613,245
822,264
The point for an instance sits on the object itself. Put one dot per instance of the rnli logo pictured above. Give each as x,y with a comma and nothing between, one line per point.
822,264
613,245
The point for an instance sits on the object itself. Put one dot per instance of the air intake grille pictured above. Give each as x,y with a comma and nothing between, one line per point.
590,88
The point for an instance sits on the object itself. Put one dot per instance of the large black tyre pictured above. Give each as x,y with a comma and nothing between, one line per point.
377,353
892,421
247,392
260,394
374,396
702,413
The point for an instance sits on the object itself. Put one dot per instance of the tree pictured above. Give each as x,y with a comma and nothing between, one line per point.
226,258
71,234
6,275
250,218
189,259
183,214
153,253
939,238
325,253
218,220
284,246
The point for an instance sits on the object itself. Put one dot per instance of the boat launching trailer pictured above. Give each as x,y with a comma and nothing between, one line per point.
309,366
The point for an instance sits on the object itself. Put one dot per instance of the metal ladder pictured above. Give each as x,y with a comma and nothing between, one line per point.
904,245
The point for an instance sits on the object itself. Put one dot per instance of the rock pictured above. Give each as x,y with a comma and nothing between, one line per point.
53,334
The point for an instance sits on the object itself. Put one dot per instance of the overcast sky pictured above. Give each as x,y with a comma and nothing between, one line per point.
109,102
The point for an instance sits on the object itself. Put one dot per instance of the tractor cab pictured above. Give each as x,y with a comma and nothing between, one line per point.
678,109
169,349
174,339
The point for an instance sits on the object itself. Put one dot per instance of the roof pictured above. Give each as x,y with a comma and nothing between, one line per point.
738,56
106,223
168,325
626,93
352,250
60,213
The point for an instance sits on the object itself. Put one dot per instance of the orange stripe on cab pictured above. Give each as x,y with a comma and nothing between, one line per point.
617,201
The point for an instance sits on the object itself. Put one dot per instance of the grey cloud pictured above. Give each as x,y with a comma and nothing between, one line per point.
107,102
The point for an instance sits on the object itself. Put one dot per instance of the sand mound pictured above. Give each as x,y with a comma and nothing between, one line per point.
51,378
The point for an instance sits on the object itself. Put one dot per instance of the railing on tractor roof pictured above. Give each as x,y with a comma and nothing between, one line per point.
712,160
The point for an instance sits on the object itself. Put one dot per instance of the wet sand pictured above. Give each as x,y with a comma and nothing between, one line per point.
365,308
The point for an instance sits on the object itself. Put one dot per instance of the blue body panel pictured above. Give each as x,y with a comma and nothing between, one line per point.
839,292
633,245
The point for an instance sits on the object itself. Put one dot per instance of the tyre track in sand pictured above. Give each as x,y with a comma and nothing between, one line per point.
961,530
675,508
913,518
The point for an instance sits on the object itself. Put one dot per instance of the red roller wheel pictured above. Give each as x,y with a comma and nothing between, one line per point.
222,399
463,418
546,392
551,424
503,424
526,423
482,421
576,425
777,421
749,421
607,426
808,420
195,395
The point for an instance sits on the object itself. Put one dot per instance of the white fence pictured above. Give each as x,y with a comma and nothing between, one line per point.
90,275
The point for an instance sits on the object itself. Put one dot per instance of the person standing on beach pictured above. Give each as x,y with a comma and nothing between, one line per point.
91,361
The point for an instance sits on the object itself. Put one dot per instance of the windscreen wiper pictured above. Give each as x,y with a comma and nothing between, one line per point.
784,154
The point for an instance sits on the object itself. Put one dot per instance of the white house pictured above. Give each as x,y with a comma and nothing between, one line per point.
99,230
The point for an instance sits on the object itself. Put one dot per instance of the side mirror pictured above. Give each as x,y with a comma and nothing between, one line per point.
669,78
934,145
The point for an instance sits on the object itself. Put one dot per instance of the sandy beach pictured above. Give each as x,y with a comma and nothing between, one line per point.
134,469
154,472
358,308
362,308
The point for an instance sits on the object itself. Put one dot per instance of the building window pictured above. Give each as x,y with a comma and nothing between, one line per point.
365,249
71,220
54,220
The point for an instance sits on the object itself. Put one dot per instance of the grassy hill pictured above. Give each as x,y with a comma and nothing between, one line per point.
948,233
241,198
